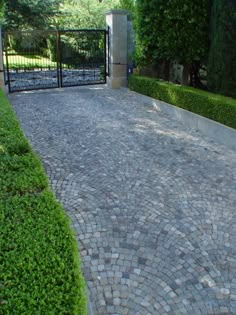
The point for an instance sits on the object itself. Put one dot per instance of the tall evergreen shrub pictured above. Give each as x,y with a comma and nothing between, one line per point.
222,54
173,30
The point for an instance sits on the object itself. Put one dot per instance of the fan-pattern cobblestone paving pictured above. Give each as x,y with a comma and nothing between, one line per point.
152,202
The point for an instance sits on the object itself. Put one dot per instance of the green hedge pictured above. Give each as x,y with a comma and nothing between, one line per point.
39,264
213,106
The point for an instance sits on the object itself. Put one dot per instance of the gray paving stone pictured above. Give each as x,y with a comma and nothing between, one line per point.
152,202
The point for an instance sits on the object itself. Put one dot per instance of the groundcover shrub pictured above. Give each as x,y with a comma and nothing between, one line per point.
210,105
39,264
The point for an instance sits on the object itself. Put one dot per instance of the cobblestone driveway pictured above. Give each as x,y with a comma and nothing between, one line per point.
153,203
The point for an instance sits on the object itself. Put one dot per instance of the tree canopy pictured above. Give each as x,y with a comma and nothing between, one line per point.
127,5
2,4
30,13
38,14
222,53
172,30
84,13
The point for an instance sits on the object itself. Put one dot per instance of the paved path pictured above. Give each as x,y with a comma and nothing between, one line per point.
152,202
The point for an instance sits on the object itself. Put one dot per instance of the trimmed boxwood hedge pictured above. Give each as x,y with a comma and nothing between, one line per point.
39,264
210,105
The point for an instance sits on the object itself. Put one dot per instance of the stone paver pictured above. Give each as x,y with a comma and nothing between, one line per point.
152,202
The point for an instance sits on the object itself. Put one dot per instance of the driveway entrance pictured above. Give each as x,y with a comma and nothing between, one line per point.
50,59
152,202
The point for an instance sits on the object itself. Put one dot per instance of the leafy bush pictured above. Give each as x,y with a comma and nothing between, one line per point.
39,265
21,174
175,30
222,54
213,106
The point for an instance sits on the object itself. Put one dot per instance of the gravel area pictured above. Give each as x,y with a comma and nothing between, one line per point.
38,79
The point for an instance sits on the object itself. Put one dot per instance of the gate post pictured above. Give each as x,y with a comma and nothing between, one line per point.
2,81
116,21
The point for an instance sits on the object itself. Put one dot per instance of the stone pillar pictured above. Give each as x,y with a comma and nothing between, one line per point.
2,82
116,21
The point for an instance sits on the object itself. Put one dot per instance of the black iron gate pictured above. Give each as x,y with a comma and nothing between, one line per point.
50,59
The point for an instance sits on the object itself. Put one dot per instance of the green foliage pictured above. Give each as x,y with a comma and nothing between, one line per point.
26,171
213,106
39,265
76,14
222,54
12,141
2,9
130,6
67,14
30,61
82,47
172,30
21,14
127,5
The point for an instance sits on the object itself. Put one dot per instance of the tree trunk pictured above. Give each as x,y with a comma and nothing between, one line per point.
166,74
195,76
186,74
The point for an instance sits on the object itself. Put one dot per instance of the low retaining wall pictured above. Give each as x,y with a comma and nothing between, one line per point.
218,132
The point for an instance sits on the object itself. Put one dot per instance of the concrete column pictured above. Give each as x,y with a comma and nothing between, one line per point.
2,83
116,21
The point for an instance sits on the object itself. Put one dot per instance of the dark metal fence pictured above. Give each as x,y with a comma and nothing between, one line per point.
82,57
49,59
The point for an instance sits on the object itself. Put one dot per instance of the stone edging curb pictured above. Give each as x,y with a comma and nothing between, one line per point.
218,132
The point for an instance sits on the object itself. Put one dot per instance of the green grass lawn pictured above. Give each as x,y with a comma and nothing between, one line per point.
18,61
39,264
